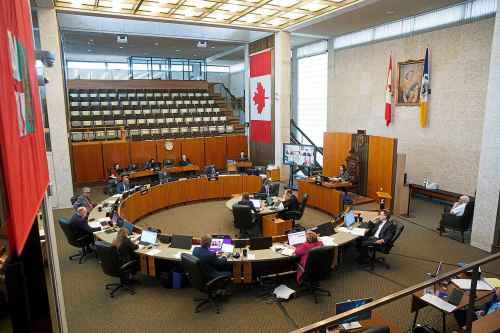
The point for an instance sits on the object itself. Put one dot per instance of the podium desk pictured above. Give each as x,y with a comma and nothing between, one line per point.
272,225
325,198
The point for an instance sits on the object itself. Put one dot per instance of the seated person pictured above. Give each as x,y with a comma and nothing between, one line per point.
184,161
346,197
344,175
211,264
210,171
290,203
151,164
488,309
83,200
378,234
302,251
123,186
458,207
243,156
126,249
245,201
266,187
115,171
80,225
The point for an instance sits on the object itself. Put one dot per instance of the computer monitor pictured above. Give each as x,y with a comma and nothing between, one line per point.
256,203
352,304
349,219
181,242
240,243
114,219
148,236
216,244
296,238
325,229
261,243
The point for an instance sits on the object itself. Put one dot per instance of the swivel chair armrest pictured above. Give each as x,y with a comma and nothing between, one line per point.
128,265
83,238
216,280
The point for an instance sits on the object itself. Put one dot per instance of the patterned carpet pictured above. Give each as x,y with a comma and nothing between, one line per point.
156,309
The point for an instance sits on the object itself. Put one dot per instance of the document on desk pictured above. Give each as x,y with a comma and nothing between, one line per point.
465,284
438,303
343,229
103,219
358,231
251,256
287,251
95,224
116,196
153,252
327,241
283,292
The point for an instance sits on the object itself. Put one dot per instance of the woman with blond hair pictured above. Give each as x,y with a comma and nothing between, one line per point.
302,251
125,247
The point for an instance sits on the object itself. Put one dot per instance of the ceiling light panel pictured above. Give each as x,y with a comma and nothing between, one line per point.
262,14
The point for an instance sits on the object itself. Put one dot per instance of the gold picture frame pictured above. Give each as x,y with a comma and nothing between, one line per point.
409,82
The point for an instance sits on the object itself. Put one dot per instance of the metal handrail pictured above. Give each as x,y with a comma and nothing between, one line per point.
321,326
294,126
235,103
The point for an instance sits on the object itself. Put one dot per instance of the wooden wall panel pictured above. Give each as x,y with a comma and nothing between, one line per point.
215,151
381,165
336,147
195,150
234,145
87,162
142,151
163,154
115,152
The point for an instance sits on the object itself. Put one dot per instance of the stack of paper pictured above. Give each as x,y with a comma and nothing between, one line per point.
327,241
283,292
287,251
465,284
153,252
438,303
359,231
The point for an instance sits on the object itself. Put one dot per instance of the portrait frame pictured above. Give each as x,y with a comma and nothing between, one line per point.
409,82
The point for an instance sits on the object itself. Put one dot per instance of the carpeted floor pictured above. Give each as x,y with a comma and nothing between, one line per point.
156,309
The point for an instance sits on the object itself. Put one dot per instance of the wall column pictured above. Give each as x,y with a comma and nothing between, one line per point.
330,121
59,158
486,222
282,97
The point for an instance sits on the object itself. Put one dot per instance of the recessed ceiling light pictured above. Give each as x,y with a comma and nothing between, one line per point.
389,12
156,43
89,50
212,47
177,50
91,40
121,47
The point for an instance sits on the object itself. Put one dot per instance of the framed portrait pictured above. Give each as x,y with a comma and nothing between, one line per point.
409,82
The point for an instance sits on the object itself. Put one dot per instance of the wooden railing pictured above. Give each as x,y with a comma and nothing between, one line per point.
321,326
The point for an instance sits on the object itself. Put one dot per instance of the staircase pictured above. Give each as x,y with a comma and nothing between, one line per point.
233,107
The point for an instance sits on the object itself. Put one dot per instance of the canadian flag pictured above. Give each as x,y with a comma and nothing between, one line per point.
260,97
388,94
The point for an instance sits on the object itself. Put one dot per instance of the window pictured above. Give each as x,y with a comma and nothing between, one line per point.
312,81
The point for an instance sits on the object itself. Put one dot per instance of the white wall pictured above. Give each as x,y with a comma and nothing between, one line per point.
448,150
215,77
237,83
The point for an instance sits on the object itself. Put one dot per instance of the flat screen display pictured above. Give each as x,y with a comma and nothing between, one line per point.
297,238
301,155
352,304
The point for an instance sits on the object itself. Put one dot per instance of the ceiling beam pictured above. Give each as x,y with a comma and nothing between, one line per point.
225,53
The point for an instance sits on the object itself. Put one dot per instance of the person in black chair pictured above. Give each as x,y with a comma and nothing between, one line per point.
79,240
379,234
344,175
126,249
245,201
266,187
184,161
150,165
124,185
211,172
459,217
295,215
243,156
214,266
290,203
79,223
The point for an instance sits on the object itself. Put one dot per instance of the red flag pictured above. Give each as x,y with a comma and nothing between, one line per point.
260,97
388,94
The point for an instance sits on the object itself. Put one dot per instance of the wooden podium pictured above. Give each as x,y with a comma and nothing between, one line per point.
272,225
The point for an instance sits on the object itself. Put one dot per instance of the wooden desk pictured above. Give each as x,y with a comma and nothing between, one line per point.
244,164
272,225
175,169
375,320
274,174
487,324
447,196
327,199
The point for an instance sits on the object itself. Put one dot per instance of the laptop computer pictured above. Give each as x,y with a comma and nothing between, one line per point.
181,242
325,229
148,238
296,238
261,243
256,203
219,243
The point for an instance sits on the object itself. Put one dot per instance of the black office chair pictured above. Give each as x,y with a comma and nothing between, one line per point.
199,280
295,215
384,248
457,223
274,189
77,240
243,219
168,163
318,266
112,265
377,329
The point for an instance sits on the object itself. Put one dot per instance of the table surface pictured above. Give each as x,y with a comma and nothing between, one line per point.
168,253
375,320
487,324
174,169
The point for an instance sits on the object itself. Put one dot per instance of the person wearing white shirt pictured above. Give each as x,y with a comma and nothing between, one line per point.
380,233
458,208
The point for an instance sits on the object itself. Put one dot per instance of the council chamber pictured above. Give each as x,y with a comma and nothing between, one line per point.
244,166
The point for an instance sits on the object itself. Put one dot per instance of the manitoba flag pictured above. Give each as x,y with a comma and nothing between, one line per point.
260,97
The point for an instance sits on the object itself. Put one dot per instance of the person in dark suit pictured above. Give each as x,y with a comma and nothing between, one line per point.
211,172
243,156
213,265
184,160
84,200
126,248
245,201
80,225
266,187
123,186
379,234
